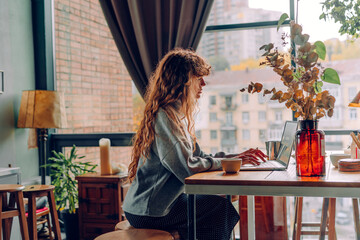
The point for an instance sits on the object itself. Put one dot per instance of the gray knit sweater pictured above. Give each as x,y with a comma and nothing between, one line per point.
160,181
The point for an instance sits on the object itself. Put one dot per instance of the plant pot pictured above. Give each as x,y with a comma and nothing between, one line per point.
71,224
310,150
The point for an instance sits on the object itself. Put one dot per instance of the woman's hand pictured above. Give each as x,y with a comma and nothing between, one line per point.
252,156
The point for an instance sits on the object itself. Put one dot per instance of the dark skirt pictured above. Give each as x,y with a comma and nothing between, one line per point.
215,218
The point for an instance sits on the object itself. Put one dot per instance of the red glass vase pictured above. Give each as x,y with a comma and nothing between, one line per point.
310,150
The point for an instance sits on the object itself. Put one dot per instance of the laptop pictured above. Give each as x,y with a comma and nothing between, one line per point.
283,158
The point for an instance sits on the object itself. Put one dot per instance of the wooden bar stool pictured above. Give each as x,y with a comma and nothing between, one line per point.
125,225
32,192
327,220
8,210
136,234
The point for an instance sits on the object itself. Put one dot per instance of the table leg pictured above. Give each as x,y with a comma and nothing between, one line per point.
191,217
251,217
324,217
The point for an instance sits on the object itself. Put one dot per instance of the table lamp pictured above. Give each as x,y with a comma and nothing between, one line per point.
356,101
42,109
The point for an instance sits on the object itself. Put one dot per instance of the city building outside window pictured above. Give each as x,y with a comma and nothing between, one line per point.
245,134
229,118
214,150
228,101
198,134
213,117
212,100
245,98
213,134
262,134
352,93
278,116
352,114
262,116
245,117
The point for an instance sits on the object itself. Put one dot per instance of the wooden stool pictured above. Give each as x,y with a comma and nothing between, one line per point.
136,234
327,220
40,213
32,192
8,210
125,226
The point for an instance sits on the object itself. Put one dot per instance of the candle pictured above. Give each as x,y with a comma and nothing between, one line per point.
105,166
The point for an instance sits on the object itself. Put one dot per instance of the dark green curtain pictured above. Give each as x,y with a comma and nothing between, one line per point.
145,30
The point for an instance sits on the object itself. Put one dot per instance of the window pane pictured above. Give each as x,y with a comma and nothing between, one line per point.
245,11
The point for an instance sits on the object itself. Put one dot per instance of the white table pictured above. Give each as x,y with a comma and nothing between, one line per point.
268,183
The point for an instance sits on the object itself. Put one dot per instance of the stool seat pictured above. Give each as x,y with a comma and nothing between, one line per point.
136,234
32,192
8,210
10,188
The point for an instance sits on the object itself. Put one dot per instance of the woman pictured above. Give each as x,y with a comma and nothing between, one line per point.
165,152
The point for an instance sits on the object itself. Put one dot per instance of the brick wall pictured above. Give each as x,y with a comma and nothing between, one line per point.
91,74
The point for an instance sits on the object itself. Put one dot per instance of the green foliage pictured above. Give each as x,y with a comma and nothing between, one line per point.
64,169
219,63
320,49
282,19
331,76
345,12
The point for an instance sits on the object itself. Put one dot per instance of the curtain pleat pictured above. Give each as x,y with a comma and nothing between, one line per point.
145,30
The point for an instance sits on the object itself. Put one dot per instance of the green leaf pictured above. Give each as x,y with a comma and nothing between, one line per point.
320,49
282,19
331,76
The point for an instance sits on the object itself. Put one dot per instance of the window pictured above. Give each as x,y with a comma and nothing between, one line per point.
228,101
262,134
245,117
261,98
212,100
352,114
213,117
213,134
262,116
245,134
278,116
352,93
214,150
198,134
229,118
245,98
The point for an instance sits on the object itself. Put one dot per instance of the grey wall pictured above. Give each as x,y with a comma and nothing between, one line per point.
17,62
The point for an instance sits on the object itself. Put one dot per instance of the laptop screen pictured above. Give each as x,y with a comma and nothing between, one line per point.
287,142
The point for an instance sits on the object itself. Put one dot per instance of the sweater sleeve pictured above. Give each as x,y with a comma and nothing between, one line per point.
176,153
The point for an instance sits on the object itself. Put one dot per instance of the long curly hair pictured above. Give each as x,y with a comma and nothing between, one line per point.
171,87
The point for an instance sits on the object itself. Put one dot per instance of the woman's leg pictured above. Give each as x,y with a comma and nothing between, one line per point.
215,218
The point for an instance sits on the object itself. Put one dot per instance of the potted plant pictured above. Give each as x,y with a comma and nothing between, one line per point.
64,169
303,77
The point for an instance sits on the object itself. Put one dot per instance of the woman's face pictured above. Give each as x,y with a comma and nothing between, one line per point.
198,83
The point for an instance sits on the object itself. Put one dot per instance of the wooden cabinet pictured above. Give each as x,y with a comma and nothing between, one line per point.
100,203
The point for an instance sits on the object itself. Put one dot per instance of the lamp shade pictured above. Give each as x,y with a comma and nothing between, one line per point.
356,101
42,109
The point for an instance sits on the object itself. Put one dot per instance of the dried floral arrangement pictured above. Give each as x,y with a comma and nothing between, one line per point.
304,81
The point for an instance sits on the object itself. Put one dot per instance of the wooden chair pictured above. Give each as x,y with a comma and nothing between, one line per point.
32,192
8,210
42,217
327,220
138,232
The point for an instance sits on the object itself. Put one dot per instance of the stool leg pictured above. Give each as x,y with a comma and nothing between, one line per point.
332,210
49,226
32,217
54,216
299,218
1,209
356,217
7,223
22,217
324,218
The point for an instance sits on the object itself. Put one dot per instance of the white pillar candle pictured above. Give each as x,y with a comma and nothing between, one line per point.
105,166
